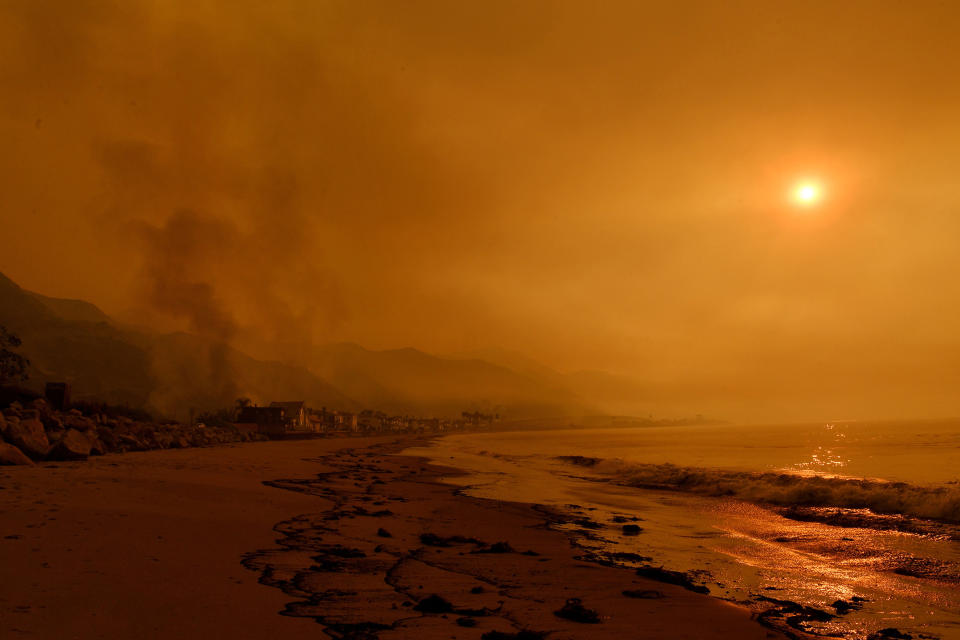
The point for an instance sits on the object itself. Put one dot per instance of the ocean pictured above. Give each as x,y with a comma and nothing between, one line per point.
859,520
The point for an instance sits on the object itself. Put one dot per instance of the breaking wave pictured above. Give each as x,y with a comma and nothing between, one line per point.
785,489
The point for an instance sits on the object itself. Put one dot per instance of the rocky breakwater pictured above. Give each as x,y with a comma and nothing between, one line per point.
37,432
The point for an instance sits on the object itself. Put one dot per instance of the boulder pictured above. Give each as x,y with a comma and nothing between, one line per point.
678,578
162,439
53,435
73,446
79,423
574,611
107,437
434,604
890,633
10,455
97,448
29,437
51,422
130,443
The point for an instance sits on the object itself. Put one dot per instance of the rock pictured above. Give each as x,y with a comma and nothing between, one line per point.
434,604
525,634
792,613
51,421
466,622
890,633
671,577
629,556
55,435
844,607
79,423
497,547
383,533
129,443
162,440
97,448
631,529
73,446
29,437
107,438
10,455
574,611
433,540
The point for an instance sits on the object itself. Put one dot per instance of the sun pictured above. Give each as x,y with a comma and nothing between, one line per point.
807,194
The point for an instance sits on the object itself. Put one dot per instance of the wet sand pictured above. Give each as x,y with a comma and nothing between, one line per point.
216,542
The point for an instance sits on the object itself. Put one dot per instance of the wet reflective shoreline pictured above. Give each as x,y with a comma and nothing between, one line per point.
863,578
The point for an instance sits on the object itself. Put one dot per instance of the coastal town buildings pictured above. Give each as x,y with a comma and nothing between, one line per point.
292,418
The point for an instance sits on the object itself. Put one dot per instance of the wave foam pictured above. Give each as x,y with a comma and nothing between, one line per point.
785,489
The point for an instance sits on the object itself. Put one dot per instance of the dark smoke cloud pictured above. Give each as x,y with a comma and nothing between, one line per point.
176,259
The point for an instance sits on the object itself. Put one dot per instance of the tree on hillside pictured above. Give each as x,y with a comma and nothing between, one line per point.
13,366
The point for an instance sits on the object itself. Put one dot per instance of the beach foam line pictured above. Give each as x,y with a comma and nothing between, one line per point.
938,502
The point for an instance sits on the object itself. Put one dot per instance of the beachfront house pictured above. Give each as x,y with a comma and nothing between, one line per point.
266,420
294,415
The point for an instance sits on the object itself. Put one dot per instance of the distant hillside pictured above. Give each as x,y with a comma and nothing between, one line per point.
411,381
189,371
609,393
74,341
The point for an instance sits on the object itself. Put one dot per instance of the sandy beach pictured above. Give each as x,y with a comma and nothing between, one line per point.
219,541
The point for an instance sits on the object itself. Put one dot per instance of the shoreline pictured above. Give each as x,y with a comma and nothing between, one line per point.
414,554
359,539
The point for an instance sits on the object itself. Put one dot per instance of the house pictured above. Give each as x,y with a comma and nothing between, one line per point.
316,423
345,421
371,421
277,419
268,420
294,415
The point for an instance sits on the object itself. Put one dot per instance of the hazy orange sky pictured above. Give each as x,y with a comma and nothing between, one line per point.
599,185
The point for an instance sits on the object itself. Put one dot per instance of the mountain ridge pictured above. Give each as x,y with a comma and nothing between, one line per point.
75,341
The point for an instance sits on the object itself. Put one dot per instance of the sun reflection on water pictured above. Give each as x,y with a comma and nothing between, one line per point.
825,458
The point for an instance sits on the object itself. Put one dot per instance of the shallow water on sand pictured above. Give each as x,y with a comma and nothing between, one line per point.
711,513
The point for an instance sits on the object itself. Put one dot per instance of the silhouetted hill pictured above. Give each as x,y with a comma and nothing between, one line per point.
411,381
63,342
610,393
74,341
